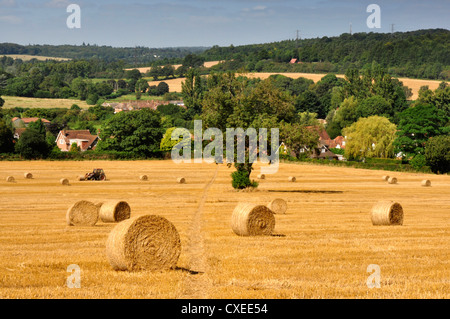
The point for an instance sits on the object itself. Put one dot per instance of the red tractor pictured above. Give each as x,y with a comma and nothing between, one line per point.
97,174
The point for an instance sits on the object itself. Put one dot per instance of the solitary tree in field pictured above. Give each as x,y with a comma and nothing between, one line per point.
370,137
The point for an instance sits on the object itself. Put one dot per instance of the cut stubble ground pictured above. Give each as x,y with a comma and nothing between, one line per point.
327,244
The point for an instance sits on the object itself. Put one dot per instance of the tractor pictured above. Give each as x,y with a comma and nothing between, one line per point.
97,174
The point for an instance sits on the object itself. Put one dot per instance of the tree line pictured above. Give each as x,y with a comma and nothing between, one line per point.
417,54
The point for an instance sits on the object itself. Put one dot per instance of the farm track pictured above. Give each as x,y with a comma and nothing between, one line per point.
198,284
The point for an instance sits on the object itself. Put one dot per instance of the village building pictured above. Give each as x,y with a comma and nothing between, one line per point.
82,138
25,122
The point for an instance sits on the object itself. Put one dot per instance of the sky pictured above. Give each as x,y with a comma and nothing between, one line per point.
177,23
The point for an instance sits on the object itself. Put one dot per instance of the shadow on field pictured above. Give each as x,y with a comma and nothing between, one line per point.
191,272
305,191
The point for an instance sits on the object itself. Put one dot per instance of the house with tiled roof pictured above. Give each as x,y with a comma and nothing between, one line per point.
83,138
26,121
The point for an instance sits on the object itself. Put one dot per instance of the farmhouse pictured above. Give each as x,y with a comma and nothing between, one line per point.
139,105
83,138
322,151
25,122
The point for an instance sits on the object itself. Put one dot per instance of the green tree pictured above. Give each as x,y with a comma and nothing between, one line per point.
80,87
136,132
141,86
370,137
346,115
296,136
374,105
437,154
308,101
230,103
167,143
162,88
417,124
193,89
32,145
6,138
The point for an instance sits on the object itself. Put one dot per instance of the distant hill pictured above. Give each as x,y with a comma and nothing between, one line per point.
418,54
137,55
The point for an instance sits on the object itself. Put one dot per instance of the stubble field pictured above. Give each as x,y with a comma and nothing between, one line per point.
324,245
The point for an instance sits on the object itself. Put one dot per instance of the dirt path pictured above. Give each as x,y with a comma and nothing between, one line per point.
197,284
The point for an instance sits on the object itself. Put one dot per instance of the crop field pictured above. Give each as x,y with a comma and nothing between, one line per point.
27,57
322,245
29,102
414,84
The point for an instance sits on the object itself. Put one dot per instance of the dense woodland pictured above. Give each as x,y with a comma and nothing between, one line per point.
417,54
130,56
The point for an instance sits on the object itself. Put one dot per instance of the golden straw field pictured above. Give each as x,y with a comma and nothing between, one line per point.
322,248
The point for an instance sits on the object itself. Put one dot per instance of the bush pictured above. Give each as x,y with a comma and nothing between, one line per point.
92,99
418,161
437,154
241,178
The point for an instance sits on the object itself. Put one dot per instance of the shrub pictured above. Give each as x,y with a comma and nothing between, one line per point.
241,178
437,154
418,161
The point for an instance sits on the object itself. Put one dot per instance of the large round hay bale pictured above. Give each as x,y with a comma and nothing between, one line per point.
261,176
278,206
426,183
385,178
64,181
114,211
392,180
143,178
144,243
82,213
181,180
252,220
81,178
10,179
292,179
387,213
28,175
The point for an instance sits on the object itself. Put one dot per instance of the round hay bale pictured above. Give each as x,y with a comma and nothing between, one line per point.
392,180
80,178
181,180
82,213
278,206
144,243
292,179
10,179
64,181
387,213
426,183
114,211
28,175
252,220
261,176
143,178
385,178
